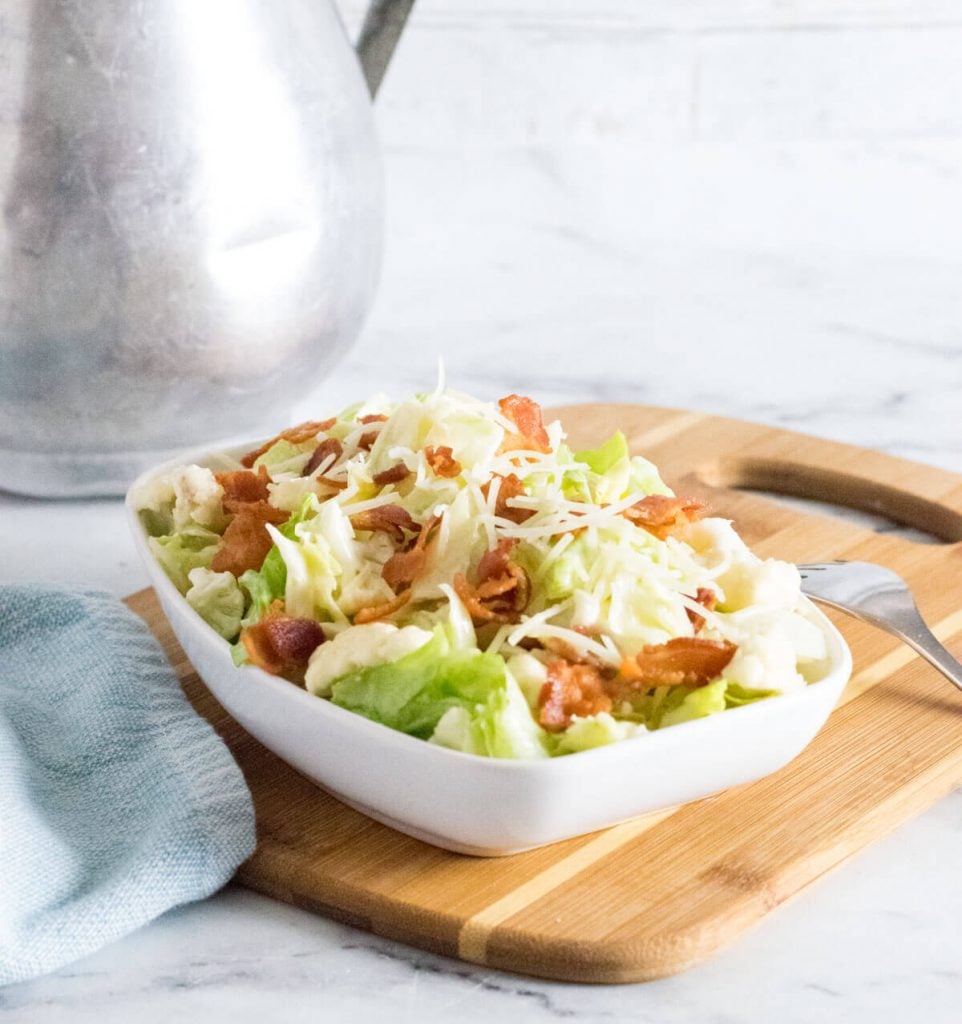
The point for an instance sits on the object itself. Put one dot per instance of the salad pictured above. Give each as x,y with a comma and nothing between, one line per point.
450,568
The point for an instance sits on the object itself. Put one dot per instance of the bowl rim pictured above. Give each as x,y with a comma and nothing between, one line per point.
839,662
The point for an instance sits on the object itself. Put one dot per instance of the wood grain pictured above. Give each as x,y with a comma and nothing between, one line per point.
653,896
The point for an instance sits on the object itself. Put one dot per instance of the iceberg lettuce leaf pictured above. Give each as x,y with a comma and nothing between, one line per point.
697,703
178,553
605,457
736,696
413,693
218,600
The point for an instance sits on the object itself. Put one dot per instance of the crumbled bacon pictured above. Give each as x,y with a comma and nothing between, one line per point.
246,542
571,689
404,567
392,475
282,644
501,590
381,611
707,598
525,414
367,439
567,650
330,446
682,661
374,417
391,519
662,515
442,461
510,486
243,486
296,435
338,485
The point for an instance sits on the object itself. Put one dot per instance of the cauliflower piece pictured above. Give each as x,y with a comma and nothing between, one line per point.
749,581
187,497
766,661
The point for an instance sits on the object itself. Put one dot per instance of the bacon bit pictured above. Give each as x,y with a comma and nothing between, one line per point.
682,661
338,485
393,475
366,441
571,690
390,519
525,414
381,611
478,612
376,417
246,542
322,453
404,567
707,599
296,435
502,589
511,487
661,515
564,649
242,487
442,461
282,644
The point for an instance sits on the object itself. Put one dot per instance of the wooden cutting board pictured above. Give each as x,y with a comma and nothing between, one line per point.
659,894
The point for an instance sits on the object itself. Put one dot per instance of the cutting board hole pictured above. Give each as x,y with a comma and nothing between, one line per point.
824,492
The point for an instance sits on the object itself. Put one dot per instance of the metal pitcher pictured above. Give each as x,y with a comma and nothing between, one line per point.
190,227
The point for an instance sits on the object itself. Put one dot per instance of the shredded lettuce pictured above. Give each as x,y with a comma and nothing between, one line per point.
596,731
217,599
413,693
268,584
284,457
179,553
501,726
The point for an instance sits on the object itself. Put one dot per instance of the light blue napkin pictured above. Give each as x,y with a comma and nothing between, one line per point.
117,801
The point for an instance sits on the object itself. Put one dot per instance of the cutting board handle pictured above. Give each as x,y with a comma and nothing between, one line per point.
821,483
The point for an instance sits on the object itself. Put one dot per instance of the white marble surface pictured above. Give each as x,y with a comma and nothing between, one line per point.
744,206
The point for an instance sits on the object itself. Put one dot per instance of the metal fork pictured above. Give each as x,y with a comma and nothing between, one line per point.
881,597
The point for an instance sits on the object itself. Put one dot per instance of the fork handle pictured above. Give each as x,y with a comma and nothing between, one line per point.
924,641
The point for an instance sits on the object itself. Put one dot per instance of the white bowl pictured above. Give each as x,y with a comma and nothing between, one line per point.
488,806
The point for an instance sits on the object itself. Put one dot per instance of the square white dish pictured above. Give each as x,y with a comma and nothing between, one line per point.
487,806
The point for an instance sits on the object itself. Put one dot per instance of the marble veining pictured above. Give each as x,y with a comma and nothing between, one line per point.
740,206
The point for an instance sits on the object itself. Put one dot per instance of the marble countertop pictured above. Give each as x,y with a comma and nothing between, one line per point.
725,211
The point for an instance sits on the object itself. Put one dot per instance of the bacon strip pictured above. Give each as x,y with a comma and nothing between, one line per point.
682,661
510,487
246,542
242,486
393,475
442,461
390,519
525,414
404,567
661,515
707,599
322,453
380,611
502,589
568,691
296,435
282,644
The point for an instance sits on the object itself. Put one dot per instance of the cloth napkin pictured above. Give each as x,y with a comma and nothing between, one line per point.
117,801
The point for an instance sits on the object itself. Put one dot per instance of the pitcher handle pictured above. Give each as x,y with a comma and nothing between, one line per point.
379,35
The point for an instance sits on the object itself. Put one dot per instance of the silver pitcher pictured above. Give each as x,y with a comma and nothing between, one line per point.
191,223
